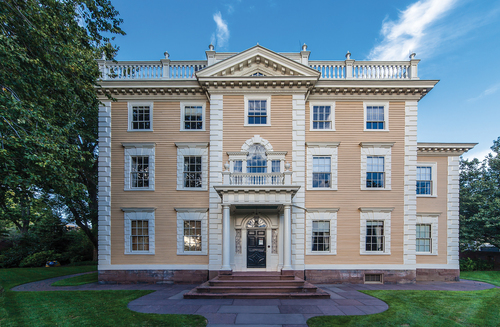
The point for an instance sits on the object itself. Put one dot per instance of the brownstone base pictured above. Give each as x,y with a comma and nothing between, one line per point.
357,276
440,275
152,276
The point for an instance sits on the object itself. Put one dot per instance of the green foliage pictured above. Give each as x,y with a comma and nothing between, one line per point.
480,201
40,258
468,264
75,308
49,107
77,280
492,276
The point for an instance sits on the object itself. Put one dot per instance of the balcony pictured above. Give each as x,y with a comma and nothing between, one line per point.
257,179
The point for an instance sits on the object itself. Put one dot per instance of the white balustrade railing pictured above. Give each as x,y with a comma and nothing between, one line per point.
256,179
329,69
141,70
381,70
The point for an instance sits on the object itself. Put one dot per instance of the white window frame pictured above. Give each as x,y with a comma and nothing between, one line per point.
268,108
199,214
386,116
433,166
377,214
139,214
429,219
332,116
376,149
192,149
139,150
183,111
132,104
323,215
322,149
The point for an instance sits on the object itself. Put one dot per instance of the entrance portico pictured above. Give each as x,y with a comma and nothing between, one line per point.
256,227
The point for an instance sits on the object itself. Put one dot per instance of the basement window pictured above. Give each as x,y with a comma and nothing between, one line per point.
373,279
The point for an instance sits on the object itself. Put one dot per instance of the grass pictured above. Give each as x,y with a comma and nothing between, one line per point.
75,308
492,277
77,280
429,308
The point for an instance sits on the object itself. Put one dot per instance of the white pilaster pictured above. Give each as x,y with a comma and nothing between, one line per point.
298,178
104,188
226,238
452,211
410,184
215,176
287,238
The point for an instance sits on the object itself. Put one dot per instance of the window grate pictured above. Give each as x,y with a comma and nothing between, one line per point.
373,279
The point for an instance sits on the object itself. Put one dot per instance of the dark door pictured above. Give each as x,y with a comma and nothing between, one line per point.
256,248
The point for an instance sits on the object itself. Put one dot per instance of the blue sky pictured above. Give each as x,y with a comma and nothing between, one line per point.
458,42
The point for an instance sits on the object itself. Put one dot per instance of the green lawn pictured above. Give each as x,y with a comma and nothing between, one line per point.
430,308
75,308
77,280
492,277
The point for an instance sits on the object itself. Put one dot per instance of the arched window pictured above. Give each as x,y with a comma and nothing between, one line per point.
256,222
257,159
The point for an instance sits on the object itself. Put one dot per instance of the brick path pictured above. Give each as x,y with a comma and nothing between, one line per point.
345,300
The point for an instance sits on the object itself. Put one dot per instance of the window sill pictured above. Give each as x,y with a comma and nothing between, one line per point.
322,130
139,253
192,253
425,253
139,130
375,253
376,130
192,130
321,253
200,189
139,189
426,196
375,189
255,125
322,189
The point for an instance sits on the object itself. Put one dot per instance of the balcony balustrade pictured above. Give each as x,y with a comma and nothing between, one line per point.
257,179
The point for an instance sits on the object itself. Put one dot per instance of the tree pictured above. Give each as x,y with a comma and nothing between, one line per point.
49,105
480,200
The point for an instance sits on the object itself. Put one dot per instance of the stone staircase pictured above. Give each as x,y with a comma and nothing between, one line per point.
256,285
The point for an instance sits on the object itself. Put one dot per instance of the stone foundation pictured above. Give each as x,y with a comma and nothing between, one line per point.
152,276
357,276
440,275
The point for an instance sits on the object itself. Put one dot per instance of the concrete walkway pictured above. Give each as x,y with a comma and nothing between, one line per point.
344,300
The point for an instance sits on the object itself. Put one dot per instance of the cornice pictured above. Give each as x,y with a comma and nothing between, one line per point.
443,149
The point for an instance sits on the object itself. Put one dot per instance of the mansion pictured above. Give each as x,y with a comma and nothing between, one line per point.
271,162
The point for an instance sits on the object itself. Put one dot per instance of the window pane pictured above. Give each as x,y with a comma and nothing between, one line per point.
257,112
375,117
321,117
321,236
192,235
192,171
140,117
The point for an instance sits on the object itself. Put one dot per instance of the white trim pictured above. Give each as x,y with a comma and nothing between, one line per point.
452,212
192,214
433,166
322,150
193,103
148,215
437,266
378,215
386,115
312,104
152,267
104,187
359,267
327,215
130,105
433,221
138,150
266,97
192,149
380,151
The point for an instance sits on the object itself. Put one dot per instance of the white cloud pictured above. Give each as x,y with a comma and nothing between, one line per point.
222,31
479,154
491,90
408,32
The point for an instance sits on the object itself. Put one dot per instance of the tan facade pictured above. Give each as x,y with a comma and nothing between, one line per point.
231,167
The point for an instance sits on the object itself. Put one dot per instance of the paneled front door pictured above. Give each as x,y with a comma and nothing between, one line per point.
256,248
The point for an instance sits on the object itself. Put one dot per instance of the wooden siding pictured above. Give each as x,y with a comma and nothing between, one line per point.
437,204
349,125
165,198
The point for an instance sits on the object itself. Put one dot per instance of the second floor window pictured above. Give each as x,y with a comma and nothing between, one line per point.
257,112
424,180
322,117
375,117
193,117
141,118
257,159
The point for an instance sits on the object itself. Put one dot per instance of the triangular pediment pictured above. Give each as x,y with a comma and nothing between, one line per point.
257,62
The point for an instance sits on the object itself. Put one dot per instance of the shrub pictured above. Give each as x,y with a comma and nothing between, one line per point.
40,258
468,264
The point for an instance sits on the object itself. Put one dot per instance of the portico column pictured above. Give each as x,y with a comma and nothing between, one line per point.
287,238
225,238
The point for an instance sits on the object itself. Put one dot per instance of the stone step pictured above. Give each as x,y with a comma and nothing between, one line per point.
256,289
256,277
320,294
258,282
